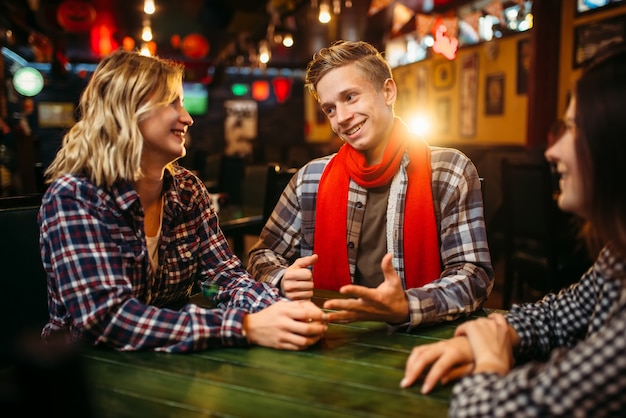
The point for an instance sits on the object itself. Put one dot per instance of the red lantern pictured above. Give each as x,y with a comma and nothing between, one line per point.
194,46
128,43
152,47
175,41
75,15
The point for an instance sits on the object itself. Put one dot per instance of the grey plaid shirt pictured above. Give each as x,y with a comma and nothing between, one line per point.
576,342
467,275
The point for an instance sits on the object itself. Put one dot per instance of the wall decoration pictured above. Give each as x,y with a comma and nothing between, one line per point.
445,44
494,94
443,75
404,96
76,16
468,89
316,126
523,65
421,82
590,39
240,127
442,113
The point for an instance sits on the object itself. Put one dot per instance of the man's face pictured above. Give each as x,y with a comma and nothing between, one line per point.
358,112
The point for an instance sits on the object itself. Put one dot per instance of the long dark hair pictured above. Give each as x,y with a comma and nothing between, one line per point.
601,146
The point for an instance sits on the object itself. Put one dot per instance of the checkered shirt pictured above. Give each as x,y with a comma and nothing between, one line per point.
467,275
101,287
572,354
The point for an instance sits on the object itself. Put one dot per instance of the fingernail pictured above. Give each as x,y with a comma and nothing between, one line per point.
404,383
425,389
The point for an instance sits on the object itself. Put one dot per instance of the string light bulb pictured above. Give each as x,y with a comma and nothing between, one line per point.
146,33
264,52
148,7
288,40
336,7
145,50
324,16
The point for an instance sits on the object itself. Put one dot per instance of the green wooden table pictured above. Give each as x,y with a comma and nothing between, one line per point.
354,371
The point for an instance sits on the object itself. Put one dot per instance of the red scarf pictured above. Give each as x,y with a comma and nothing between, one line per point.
421,244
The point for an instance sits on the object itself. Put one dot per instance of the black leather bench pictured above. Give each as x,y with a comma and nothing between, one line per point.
23,303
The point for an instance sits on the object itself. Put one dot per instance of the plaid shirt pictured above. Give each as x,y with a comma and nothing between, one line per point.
467,275
577,343
101,287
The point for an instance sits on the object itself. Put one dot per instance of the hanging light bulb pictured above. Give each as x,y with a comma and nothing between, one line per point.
144,50
264,52
146,33
348,4
336,7
288,40
324,16
148,7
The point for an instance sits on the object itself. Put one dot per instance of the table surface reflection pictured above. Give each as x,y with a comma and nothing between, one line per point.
354,371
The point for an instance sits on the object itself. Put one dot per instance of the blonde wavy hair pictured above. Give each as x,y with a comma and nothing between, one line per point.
106,144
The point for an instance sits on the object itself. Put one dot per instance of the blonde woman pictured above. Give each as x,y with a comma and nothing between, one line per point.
126,232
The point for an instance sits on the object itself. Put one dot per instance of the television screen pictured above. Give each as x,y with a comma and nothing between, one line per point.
55,114
196,97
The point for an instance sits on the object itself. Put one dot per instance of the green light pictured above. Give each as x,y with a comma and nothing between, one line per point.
239,89
28,81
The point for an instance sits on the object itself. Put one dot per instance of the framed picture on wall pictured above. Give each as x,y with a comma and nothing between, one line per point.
468,89
593,38
443,77
421,82
442,114
494,94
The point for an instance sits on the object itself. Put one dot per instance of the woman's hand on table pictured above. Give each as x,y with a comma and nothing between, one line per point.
492,343
286,325
447,359
483,345
297,281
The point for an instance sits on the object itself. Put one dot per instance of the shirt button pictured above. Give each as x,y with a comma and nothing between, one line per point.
351,245
359,205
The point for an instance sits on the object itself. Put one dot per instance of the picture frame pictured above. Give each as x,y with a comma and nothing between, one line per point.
443,75
421,82
494,94
468,81
442,114
593,38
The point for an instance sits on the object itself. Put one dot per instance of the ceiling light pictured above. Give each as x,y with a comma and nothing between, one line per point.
324,15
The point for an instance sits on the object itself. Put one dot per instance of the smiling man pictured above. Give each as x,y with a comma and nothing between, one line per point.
388,220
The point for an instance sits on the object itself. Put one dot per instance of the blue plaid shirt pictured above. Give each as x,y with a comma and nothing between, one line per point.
101,287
